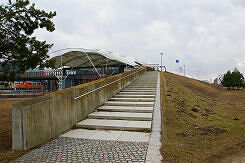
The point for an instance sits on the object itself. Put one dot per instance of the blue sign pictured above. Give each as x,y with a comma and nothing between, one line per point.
177,61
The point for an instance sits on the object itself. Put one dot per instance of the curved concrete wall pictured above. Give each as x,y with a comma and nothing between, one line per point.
38,120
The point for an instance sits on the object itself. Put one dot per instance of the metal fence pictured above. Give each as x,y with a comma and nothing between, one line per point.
20,93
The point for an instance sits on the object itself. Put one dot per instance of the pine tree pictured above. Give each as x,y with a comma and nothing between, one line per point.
20,51
227,79
234,79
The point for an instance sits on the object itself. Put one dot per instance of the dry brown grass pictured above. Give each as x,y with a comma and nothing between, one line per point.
201,122
6,153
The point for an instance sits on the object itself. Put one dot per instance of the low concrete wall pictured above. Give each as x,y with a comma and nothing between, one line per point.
38,120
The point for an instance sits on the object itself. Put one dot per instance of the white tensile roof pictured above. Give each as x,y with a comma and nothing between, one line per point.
78,57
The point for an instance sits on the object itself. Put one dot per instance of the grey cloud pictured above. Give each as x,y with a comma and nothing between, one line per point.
206,35
240,3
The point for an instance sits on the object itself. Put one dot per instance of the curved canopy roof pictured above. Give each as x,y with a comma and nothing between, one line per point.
78,57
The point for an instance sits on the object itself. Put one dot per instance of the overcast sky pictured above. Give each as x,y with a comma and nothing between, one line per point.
205,35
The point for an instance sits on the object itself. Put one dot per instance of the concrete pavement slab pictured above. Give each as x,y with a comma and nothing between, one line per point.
106,135
79,133
134,136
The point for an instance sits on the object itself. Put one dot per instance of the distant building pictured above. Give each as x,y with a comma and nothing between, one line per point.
77,66
218,80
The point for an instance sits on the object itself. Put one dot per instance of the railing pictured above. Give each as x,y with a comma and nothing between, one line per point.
104,85
44,74
38,120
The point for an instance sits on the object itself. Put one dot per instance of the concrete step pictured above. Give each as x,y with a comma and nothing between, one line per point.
126,109
133,96
123,125
140,85
144,85
121,116
121,136
130,88
139,90
145,82
133,99
122,103
137,93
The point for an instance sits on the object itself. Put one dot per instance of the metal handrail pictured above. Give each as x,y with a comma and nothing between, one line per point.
104,86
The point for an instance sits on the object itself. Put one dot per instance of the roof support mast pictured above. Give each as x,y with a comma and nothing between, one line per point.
106,67
91,63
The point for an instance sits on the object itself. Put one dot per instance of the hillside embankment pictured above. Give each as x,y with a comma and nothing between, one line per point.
201,122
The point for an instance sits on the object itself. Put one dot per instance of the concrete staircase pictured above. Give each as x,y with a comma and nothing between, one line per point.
129,110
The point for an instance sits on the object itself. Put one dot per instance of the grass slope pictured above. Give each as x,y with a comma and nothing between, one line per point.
201,122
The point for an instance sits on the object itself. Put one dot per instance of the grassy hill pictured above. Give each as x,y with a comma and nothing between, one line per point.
201,122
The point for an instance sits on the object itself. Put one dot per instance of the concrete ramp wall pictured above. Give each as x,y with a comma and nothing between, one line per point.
37,120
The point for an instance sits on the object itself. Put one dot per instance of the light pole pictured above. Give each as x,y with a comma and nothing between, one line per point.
161,60
184,70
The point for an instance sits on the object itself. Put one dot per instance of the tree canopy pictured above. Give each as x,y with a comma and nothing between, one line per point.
20,51
233,79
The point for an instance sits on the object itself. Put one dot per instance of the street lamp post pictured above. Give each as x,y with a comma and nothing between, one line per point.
184,70
161,60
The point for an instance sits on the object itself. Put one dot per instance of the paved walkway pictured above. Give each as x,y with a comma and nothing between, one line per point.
119,131
64,149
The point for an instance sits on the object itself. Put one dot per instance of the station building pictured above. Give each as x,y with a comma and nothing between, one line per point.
77,66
